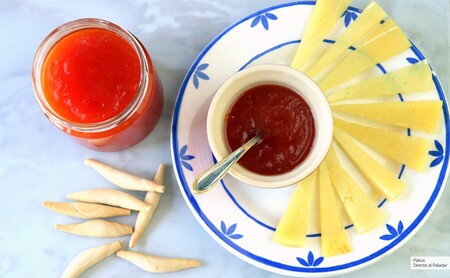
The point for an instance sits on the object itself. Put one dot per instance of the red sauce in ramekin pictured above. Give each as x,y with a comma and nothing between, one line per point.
284,121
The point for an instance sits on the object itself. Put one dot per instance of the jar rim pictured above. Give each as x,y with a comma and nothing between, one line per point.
61,32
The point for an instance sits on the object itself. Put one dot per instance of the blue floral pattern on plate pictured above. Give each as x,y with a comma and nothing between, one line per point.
393,232
184,158
412,60
199,74
349,17
438,153
311,261
229,232
264,20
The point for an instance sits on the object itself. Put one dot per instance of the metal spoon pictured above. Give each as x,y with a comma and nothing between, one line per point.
207,179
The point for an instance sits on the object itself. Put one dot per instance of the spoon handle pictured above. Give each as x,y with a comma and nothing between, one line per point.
207,179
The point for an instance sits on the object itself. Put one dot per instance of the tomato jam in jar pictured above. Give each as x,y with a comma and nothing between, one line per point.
96,82
283,120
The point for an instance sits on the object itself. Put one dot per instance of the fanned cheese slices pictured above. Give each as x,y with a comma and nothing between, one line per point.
362,211
380,177
369,53
417,115
408,150
369,19
360,103
291,230
334,238
324,16
410,79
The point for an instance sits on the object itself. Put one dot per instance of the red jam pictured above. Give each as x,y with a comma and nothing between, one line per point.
283,120
91,75
97,84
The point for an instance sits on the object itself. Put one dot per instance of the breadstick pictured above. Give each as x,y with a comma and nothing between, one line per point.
110,197
124,179
90,257
151,198
96,228
157,264
86,210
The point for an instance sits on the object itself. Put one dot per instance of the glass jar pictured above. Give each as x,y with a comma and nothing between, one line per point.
129,126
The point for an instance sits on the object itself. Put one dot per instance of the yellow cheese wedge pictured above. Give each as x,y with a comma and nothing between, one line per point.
387,26
367,55
362,211
323,18
334,238
380,177
291,230
413,78
408,150
417,115
368,20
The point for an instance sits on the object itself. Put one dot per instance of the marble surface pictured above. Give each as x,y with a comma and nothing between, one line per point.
38,162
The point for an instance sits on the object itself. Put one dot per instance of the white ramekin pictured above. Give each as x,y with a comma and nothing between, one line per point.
279,75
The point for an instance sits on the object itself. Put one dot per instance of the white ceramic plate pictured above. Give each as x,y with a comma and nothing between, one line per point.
242,218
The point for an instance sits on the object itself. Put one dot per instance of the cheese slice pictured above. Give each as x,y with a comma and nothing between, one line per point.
417,115
408,150
334,238
380,177
367,55
413,78
387,26
362,211
291,230
368,20
323,18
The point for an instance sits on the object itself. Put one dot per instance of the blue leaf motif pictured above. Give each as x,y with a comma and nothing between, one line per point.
229,232
202,67
438,153
187,157
187,165
196,82
231,229
310,258
436,161
183,150
271,16
201,75
265,22
400,227
198,73
393,233
223,227
264,19
349,17
255,21
387,237
318,261
412,60
302,261
438,146
311,261
236,236
184,157
391,230
434,153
